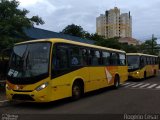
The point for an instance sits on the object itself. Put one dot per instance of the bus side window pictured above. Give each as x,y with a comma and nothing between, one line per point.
154,60
151,60
142,61
106,58
61,61
84,56
148,61
114,59
96,58
122,59
75,57
145,61
89,62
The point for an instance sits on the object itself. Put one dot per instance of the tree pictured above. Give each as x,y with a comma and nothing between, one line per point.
74,30
78,31
96,37
150,46
12,22
111,43
129,48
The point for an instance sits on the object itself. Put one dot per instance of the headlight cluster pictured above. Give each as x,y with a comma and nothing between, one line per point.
7,86
42,86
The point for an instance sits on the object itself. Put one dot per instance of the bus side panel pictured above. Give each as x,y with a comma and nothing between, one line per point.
156,67
150,70
123,73
97,78
61,87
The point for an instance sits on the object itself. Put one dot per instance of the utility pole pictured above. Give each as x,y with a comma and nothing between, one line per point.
152,46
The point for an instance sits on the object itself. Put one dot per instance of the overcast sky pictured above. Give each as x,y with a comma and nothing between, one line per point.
57,14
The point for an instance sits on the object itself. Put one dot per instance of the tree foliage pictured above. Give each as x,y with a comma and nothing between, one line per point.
74,30
149,46
12,22
111,43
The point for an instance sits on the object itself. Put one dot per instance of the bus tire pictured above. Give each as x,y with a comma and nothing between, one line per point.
155,73
77,91
145,75
116,82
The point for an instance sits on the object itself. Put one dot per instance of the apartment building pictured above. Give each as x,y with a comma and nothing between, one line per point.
114,24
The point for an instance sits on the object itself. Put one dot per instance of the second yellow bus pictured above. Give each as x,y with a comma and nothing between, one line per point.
141,66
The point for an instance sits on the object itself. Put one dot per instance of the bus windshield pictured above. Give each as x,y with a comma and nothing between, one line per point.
29,60
133,62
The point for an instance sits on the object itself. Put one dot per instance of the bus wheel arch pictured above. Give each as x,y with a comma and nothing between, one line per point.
77,89
155,73
116,81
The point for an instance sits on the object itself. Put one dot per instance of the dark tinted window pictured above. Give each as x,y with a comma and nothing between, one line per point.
62,59
84,56
142,61
114,59
106,58
95,57
148,60
75,57
122,59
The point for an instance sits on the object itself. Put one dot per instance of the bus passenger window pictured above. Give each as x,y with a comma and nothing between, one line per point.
106,58
114,59
96,60
61,61
142,61
75,58
122,59
84,56
148,61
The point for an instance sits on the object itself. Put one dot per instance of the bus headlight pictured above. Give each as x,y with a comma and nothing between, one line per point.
7,86
42,86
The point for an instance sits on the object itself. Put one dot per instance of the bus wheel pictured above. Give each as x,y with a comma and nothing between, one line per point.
145,75
76,91
155,73
116,82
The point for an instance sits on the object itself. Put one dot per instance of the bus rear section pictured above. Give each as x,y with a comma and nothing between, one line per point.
49,70
142,66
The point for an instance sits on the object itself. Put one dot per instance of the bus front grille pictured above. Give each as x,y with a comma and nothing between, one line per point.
22,90
22,97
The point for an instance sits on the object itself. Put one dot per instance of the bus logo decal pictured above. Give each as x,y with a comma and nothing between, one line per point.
109,76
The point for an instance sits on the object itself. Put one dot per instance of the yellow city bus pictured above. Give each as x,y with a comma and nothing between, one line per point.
52,69
141,66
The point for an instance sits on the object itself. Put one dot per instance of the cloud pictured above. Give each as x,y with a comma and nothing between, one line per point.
59,14
25,3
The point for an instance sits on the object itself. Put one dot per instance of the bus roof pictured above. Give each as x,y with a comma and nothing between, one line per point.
59,40
141,54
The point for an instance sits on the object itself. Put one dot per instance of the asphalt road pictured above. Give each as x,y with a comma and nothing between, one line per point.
134,97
